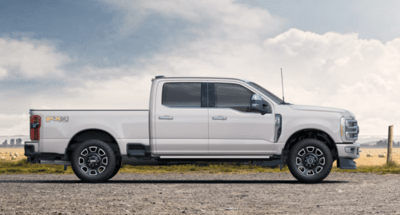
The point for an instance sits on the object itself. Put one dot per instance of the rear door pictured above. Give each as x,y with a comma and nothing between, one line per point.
234,129
181,123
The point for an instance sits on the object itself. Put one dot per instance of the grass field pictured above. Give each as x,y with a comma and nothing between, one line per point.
7,154
375,159
365,164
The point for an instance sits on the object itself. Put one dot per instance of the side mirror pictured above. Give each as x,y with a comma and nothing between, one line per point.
258,104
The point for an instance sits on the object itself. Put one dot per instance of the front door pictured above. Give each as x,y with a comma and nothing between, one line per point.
181,119
234,129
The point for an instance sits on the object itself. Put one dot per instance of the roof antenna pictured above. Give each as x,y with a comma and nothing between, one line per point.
283,95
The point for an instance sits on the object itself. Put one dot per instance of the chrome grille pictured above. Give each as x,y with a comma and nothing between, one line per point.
351,129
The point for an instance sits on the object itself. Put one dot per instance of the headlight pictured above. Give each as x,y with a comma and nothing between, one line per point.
349,129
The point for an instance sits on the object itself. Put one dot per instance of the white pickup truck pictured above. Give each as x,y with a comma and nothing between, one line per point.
212,120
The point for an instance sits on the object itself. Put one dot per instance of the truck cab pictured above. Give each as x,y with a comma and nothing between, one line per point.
193,119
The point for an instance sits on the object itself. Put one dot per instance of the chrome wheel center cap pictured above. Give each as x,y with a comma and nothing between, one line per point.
93,161
310,160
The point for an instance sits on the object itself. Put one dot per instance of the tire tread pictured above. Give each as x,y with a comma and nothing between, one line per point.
294,170
77,171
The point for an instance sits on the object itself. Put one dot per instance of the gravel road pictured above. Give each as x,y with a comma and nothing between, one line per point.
262,193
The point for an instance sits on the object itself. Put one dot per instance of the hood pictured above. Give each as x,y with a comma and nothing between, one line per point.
323,109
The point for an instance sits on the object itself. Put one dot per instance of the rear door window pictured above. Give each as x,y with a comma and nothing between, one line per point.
182,94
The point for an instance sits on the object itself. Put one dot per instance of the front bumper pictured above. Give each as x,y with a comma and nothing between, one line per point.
347,153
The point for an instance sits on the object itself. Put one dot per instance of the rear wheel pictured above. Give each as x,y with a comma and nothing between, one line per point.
93,161
310,161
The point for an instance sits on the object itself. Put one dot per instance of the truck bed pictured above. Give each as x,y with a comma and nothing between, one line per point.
58,127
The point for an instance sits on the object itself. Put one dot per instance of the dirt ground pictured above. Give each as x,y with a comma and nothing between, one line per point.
261,193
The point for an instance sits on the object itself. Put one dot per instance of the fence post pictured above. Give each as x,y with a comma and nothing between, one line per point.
390,144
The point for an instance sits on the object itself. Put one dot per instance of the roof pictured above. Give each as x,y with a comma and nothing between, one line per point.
163,77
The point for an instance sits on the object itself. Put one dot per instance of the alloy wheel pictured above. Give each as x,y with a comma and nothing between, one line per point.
310,160
93,160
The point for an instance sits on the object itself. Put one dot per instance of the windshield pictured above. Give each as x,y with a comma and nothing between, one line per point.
266,92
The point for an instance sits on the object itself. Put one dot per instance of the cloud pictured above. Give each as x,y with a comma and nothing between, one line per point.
223,18
127,92
29,59
3,73
28,68
231,40
331,69
14,124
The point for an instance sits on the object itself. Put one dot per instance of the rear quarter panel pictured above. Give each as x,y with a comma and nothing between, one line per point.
126,126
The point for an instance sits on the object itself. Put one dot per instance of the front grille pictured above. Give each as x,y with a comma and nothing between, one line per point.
351,129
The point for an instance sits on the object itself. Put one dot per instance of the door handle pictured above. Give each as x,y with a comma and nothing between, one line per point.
166,117
219,118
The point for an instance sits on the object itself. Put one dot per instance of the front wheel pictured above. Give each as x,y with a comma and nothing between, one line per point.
93,161
117,167
310,161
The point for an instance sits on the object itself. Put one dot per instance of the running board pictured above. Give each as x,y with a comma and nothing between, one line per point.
215,157
65,163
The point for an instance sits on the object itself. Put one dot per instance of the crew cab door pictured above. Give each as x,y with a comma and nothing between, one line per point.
235,129
181,123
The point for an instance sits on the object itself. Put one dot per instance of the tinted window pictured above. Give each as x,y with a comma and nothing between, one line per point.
232,96
182,94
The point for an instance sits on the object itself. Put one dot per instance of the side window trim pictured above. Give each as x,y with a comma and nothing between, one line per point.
211,95
204,95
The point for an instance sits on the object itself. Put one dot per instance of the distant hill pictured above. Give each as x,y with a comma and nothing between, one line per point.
378,141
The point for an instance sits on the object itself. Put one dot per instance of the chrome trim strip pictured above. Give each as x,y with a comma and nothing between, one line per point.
88,110
278,127
213,157
212,78
67,163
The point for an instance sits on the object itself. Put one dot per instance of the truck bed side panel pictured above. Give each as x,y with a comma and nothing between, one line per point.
125,126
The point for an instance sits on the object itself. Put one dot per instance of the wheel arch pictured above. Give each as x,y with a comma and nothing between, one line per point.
312,134
89,134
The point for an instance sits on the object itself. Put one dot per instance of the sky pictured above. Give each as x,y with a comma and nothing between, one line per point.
99,54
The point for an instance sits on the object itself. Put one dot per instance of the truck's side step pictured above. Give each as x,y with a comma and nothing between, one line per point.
137,150
136,153
256,162
216,157
265,161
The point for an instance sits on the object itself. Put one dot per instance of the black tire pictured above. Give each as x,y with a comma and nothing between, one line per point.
310,161
93,161
117,167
